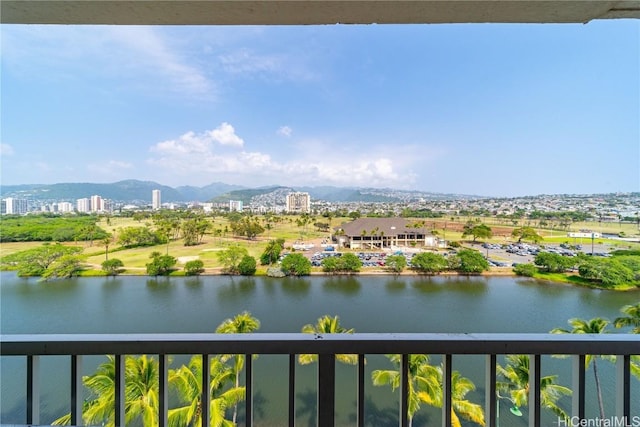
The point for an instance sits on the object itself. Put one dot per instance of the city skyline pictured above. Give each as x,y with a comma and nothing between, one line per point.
487,110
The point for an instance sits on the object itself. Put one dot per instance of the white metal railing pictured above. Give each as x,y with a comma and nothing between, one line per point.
327,346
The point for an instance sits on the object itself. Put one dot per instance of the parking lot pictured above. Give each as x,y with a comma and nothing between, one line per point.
522,253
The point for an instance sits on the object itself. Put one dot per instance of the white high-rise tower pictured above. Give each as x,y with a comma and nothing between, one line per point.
155,199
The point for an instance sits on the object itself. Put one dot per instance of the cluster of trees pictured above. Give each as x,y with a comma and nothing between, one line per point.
347,263
477,230
131,237
599,325
466,261
425,379
620,269
48,261
245,225
50,228
185,382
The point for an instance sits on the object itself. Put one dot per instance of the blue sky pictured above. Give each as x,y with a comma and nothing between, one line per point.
492,109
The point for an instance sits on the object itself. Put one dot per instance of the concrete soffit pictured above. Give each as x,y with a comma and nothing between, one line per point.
311,12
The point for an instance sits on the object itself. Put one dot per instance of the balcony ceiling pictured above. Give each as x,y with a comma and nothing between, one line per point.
307,12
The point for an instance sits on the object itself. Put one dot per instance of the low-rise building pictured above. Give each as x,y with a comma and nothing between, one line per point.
379,233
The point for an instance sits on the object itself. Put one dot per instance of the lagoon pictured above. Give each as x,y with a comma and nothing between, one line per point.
137,304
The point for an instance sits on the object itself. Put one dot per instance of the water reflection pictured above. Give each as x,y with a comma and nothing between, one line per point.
160,284
379,417
34,285
296,286
193,282
237,289
111,284
347,285
465,285
307,407
396,285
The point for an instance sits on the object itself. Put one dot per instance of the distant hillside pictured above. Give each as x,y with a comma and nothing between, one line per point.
247,195
140,191
122,191
208,192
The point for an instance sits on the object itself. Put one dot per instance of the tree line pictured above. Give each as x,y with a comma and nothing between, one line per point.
622,268
50,228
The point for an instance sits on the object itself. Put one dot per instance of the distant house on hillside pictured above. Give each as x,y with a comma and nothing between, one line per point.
379,233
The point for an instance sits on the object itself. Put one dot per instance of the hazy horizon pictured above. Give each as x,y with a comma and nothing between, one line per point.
267,186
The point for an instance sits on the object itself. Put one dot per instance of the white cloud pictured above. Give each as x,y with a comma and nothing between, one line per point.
217,155
199,146
285,131
6,150
138,55
225,134
247,63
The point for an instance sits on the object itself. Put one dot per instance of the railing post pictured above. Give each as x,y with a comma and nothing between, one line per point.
248,390
361,390
206,391
578,385
292,390
326,389
33,389
490,395
120,362
163,390
404,391
623,388
446,390
76,390
534,390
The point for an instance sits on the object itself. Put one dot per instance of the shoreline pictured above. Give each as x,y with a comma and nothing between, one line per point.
495,272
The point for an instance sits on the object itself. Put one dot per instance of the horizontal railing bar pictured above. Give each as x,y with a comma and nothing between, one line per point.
286,343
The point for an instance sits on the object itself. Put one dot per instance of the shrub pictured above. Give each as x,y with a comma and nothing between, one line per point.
296,265
527,270
160,265
112,266
427,262
194,267
396,263
247,266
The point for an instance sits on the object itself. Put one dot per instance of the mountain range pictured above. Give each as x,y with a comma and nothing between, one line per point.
134,191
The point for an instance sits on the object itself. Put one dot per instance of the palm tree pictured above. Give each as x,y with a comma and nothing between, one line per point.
632,318
425,386
242,323
597,325
106,242
141,393
187,381
142,398
516,383
327,325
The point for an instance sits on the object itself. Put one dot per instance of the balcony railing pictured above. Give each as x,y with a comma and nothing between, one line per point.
623,346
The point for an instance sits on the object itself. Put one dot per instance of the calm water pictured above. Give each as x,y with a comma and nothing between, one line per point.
368,304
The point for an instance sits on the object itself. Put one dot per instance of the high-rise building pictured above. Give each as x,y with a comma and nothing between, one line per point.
235,206
14,206
65,207
156,201
96,204
298,202
83,205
